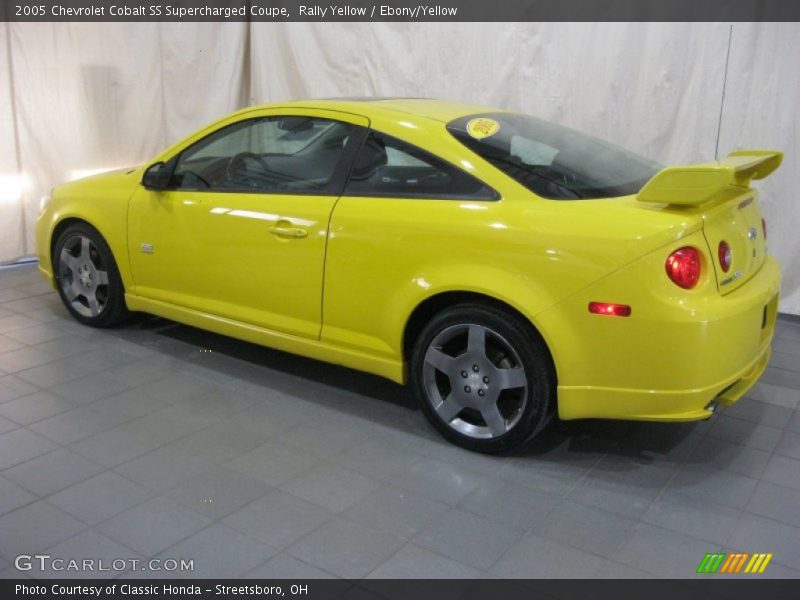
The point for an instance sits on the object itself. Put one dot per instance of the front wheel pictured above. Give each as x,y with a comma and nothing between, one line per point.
484,378
87,277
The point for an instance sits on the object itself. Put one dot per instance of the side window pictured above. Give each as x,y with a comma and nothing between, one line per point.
386,166
267,155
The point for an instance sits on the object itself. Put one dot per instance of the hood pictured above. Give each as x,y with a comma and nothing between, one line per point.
100,184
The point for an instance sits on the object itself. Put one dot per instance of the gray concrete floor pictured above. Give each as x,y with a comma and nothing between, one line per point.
159,440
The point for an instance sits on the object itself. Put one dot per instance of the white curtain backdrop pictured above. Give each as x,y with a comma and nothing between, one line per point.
76,98
86,97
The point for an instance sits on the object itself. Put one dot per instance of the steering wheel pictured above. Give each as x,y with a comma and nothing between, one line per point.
241,158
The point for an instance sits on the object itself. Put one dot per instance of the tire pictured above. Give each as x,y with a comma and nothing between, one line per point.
484,378
87,278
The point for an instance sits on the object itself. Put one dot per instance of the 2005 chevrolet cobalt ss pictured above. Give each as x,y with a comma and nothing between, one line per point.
506,268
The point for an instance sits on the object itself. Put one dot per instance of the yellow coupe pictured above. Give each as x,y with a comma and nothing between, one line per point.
507,268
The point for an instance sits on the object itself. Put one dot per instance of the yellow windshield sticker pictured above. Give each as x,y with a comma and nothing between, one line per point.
482,128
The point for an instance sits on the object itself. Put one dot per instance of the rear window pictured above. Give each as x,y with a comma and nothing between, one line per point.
553,161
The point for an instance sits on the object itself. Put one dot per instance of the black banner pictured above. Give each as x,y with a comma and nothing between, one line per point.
400,10
744,588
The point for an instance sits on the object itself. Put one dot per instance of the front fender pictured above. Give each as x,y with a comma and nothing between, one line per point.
102,202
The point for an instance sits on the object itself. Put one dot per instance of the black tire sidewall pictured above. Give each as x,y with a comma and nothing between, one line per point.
115,310
535,360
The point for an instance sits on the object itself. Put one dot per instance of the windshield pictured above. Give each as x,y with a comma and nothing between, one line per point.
553,161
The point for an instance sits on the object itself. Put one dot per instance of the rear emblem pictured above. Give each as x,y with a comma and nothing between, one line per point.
732,278
752,233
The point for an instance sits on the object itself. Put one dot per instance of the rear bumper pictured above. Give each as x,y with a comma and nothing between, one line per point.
671,360
659,405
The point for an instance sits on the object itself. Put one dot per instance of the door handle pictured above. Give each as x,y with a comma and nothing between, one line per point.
291,232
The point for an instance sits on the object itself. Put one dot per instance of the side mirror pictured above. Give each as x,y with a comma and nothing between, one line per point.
157,176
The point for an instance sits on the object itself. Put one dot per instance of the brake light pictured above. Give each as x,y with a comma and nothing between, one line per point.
725,256
610,309
683,267
764,227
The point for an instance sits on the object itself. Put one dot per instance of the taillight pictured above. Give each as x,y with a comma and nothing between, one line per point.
683,267
610,309
764,227
725,256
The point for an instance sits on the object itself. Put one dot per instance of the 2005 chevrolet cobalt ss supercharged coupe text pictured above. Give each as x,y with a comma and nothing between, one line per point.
507,268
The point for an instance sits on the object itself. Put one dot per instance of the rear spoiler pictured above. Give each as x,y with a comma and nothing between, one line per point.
693,185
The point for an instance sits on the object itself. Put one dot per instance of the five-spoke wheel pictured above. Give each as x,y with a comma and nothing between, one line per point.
484,377
87,277
82,276
475,380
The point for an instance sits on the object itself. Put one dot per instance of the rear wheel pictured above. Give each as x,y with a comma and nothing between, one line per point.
87,277
484,378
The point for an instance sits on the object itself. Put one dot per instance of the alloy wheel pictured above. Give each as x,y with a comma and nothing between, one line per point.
475,381
83,277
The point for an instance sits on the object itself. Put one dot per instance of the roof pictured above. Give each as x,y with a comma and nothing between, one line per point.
430,108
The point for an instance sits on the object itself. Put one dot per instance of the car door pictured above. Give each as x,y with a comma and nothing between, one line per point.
241,231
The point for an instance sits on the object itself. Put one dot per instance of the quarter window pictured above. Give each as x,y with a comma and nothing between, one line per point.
268,155
386,166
